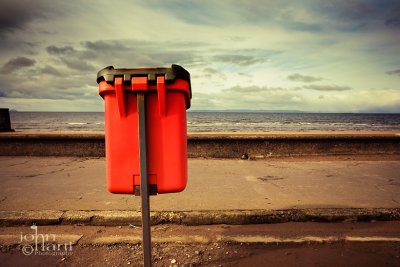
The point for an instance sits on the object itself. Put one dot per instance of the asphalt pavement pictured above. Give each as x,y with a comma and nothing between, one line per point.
55,187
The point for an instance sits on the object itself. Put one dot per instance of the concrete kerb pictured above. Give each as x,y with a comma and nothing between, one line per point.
11,240
124,217
43,217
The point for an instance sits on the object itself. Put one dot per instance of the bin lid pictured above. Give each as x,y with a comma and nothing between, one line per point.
109,73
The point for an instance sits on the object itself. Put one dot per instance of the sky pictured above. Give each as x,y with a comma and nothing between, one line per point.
311,55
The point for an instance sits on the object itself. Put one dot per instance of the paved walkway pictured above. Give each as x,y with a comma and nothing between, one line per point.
68,184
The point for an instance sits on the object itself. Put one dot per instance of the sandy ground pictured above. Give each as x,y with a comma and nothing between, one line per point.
386,254
97,248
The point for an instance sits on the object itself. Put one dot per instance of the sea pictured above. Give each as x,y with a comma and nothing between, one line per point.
218,121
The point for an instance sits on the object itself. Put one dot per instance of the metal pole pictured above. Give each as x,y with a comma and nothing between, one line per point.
144,184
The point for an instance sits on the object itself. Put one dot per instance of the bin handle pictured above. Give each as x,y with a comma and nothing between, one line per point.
162,101
119,92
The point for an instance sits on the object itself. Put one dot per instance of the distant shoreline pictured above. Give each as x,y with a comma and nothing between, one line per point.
226,134
228,111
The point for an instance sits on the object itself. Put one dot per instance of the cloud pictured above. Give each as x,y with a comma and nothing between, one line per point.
193,12
250,98
50,87
210,72
393,72
67,69
221,43
17,15
282,13
301,16
277,98
338,15
102,45
241,60
127,52
65,50
71,57
77,64
204,101
133,52
15,64
303,78
393,22
50,70
327,88
57,105
248,89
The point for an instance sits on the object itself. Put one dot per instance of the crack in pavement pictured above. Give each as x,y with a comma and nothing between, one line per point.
378,187
16,164
39,174
268,178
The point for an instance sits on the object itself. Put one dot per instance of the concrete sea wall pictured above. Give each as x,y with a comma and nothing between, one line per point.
212,145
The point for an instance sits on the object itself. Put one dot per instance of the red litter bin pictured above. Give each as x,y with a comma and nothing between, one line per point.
168,95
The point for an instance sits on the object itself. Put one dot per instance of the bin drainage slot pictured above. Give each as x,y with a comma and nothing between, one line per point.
152,190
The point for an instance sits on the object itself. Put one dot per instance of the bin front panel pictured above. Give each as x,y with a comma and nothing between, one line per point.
122,149
166,137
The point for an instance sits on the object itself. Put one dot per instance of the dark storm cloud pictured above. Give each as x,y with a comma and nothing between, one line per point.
72,58
393,16
341,15
15,64
393,72
69,51
64,50
296,77
327,88
358,14
71,69
17,14
141,53
393,22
